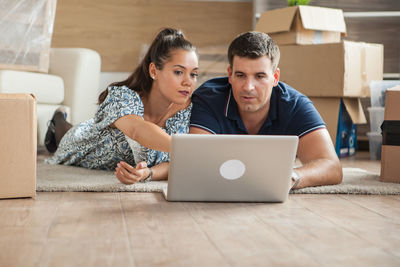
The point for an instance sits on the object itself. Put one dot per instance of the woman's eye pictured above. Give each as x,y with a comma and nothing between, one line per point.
178,72
194,75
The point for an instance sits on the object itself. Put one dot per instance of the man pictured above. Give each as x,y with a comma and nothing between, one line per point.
251,100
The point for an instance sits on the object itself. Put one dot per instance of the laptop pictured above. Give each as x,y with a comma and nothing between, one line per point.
230,168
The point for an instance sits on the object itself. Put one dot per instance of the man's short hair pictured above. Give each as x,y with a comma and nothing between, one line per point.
254,45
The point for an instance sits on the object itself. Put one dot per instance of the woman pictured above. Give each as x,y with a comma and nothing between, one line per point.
136,117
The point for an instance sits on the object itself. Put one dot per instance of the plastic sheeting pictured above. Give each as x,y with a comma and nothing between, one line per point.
26,28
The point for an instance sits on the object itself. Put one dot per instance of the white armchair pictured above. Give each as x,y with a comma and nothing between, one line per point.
72,81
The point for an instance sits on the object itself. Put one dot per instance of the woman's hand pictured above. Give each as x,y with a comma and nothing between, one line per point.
127,174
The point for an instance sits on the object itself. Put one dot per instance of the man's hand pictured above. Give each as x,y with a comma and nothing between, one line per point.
127,174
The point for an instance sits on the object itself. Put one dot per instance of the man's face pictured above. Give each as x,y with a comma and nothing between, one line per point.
252,81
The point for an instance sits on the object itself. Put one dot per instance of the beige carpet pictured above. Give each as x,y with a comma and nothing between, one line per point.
59,178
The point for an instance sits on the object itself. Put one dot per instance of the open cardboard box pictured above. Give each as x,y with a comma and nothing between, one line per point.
390,167
341,116
303,25
17,145
336,70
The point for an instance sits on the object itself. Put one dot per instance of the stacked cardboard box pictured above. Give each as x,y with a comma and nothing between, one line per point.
213,62
303,25
390,168
376,115
316,62
17,145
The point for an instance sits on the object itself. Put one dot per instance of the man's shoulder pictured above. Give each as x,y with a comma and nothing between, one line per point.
213,88
288,94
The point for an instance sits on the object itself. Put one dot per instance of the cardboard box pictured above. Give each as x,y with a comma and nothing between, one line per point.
341,116
213,62
390,167
336,70
17,145
303,25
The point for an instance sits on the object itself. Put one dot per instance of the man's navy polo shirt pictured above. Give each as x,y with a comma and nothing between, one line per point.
290,113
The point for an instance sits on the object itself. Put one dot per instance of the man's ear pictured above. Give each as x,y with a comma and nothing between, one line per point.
153,71
229,73
277,76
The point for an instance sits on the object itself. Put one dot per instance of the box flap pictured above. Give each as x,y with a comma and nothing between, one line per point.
328,108
371,64
17,96
277,20
355,110
323,19
353,68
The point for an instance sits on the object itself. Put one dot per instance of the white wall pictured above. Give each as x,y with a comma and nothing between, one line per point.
106,78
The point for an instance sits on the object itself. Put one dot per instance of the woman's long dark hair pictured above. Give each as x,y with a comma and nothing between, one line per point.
159,52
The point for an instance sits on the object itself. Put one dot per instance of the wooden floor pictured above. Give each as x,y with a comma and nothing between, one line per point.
142,229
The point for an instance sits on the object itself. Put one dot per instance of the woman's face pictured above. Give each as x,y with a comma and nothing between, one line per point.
177,80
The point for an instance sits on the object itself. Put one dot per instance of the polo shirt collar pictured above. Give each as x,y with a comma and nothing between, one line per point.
231,109
273,105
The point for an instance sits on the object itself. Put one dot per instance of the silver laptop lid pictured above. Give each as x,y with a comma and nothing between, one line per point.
248,168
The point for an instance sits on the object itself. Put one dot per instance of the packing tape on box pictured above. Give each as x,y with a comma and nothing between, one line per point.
318,37
391,133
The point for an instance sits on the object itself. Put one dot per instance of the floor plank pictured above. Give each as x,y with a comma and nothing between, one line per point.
166,228
88,230
142,229
242,238
374,234
72,252
319,237
21,245
387,206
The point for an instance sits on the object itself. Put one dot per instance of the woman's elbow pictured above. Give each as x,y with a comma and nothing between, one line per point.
132,134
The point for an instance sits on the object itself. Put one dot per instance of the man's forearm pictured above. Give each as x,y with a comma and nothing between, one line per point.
321,166
320,172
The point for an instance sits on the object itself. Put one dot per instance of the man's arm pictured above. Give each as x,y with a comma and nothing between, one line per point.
197,130
321,165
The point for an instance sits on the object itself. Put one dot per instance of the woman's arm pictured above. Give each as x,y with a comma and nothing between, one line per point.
145,133
127,174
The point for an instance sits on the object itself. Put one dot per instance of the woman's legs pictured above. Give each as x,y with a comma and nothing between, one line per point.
58,126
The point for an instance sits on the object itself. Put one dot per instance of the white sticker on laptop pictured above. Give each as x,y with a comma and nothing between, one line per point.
232,169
